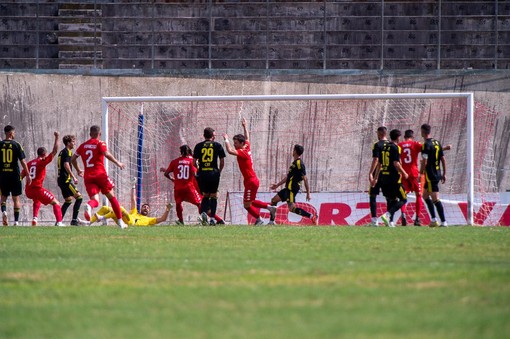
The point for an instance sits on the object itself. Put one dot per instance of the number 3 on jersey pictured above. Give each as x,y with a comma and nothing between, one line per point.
407,156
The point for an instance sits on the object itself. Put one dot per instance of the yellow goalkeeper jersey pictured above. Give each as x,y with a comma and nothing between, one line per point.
136,219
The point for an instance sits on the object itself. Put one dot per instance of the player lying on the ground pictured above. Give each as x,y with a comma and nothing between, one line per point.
133,217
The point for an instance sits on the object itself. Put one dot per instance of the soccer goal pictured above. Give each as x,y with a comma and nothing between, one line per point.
337,132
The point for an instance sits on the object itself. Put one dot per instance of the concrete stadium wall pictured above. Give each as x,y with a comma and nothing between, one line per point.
38,104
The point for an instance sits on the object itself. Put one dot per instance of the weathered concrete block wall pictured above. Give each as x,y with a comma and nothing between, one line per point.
347,34
39,104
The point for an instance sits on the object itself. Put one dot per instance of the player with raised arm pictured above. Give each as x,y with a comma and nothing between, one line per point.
35,190
388,173
182,172
133,217
432,160
242,151
292,181
92,153
206,155
67,180
373,191
10,180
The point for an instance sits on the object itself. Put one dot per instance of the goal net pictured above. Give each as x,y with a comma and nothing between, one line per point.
337,132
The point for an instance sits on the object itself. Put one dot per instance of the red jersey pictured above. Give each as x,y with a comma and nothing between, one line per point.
409,156
245,162
37,170
92,154
184,172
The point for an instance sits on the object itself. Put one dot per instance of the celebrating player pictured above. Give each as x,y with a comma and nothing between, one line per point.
206,155
432,156
93,152
292,181
67,180
182,172
35,190
10,181
388,173
374,191
242,151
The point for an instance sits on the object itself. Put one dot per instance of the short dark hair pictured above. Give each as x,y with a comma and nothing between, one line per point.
409,133
208,132
426,128
41,151
8,128
395,134
299,149
95,130
185,150
240,137
68,138
382,129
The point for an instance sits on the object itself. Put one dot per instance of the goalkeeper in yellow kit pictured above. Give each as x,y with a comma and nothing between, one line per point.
133,217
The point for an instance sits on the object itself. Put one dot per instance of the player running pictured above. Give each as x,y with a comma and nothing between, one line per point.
92,153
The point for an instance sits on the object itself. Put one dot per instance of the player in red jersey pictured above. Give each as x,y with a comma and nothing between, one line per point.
92,153
409,159
35,190
183,172
242,151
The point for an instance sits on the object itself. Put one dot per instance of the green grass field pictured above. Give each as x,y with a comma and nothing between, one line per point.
254,282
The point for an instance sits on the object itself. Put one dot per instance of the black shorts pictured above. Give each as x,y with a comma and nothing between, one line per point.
393,191
10,185
432,186
373,191
68,189
209,181
288,195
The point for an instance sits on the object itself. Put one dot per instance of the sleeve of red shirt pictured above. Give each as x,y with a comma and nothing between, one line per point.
48,159
102,147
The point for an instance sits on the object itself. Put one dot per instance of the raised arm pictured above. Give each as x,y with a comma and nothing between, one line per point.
228,146
245,128
55,144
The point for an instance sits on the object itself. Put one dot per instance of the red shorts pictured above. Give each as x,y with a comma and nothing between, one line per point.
101,183
190,195
411,184
39,194
251,186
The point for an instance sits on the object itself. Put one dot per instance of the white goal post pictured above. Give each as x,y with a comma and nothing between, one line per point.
331,118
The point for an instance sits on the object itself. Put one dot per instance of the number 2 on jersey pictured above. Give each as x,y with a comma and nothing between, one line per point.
89,155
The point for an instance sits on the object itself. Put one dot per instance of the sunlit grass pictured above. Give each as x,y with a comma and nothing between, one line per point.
254,282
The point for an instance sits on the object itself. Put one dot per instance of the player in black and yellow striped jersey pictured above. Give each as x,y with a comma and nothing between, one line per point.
373,191
10,180
388,173
210,158
432,160
292,181
67,180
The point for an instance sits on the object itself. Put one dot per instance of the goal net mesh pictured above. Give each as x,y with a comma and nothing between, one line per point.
337,136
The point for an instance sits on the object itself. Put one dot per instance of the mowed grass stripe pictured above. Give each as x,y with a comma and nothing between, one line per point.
254,282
